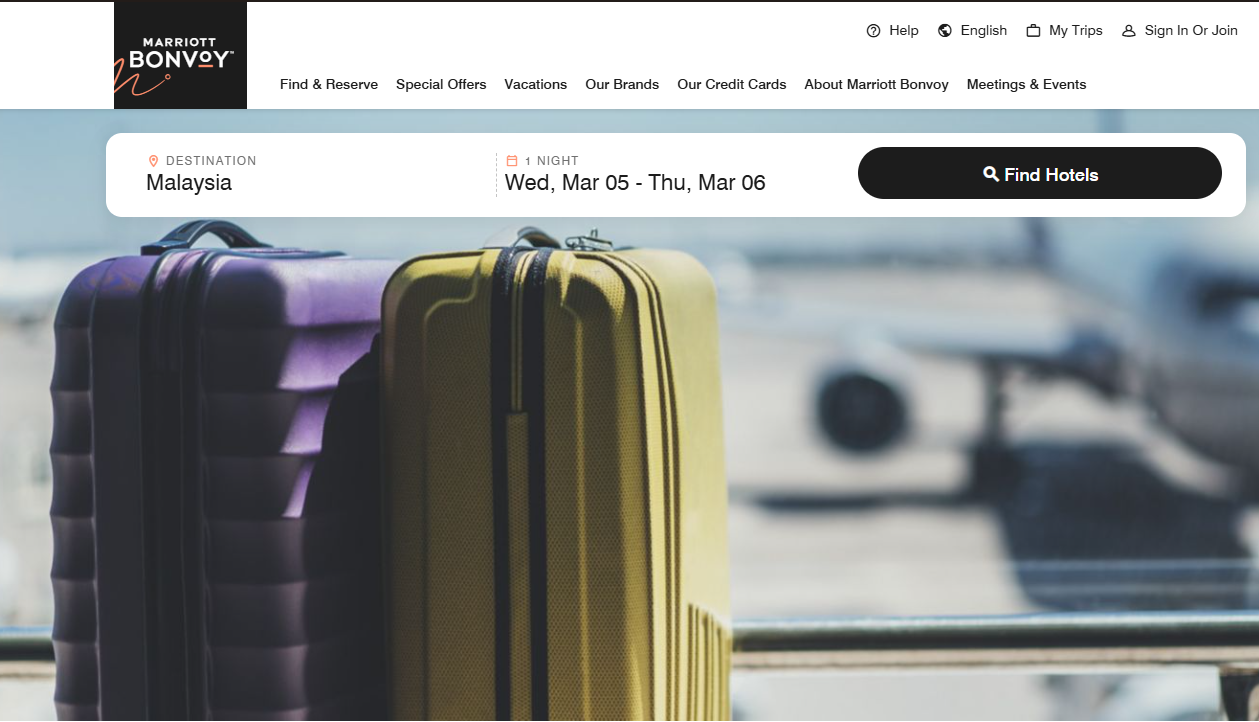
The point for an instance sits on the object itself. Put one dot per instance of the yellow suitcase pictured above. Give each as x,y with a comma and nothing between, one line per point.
556,499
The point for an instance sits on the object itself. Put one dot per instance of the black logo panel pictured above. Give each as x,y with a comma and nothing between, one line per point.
180,55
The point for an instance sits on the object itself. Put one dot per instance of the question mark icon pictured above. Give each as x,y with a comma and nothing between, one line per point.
872,30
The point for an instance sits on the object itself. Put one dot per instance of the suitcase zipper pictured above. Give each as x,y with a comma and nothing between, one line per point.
194,536
516,387
517,324
162,392
173,427
533,396
503,372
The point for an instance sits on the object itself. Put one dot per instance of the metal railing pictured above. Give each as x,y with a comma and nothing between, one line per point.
26,644
1127,639
1226,640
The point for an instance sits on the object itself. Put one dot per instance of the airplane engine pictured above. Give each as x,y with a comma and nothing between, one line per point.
863,403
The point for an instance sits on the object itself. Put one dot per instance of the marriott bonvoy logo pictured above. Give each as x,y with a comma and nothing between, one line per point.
176,53
180,55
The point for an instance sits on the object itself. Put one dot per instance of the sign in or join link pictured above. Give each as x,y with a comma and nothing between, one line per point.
1015,175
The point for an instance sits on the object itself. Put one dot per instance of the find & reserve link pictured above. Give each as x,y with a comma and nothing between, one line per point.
328,84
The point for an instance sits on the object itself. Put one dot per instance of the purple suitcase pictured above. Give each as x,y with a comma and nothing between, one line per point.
215,484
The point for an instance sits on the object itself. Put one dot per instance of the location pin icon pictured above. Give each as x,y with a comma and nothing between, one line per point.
153,161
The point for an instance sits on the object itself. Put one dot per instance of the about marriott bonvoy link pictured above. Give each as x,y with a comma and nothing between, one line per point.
889,84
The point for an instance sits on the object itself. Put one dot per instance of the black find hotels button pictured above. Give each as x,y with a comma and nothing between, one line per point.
180,55
1032,173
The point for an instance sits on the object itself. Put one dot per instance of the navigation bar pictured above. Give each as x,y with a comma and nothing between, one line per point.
762,56
636,56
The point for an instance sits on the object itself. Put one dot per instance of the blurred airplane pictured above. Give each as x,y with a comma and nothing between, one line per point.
1169,320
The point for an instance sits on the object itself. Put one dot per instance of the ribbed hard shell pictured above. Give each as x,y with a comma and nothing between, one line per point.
74,543
637,569
288,460
290,486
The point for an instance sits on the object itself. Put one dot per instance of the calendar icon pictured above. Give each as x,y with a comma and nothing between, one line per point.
511,160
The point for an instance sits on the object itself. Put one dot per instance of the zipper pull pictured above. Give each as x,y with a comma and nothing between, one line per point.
589,242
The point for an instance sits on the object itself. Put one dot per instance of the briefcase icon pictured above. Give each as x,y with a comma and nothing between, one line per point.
1033,31
511,160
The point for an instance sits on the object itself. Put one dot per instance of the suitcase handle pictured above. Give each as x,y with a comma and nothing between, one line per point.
187,234
527,236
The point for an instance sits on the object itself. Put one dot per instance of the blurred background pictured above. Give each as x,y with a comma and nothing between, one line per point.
923,416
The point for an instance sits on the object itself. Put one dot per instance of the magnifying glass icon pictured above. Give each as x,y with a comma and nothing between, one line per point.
990,172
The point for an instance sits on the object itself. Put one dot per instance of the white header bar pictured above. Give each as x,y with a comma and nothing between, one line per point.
679,55
667,175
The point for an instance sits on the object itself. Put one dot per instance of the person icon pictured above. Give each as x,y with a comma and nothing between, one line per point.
1128,32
